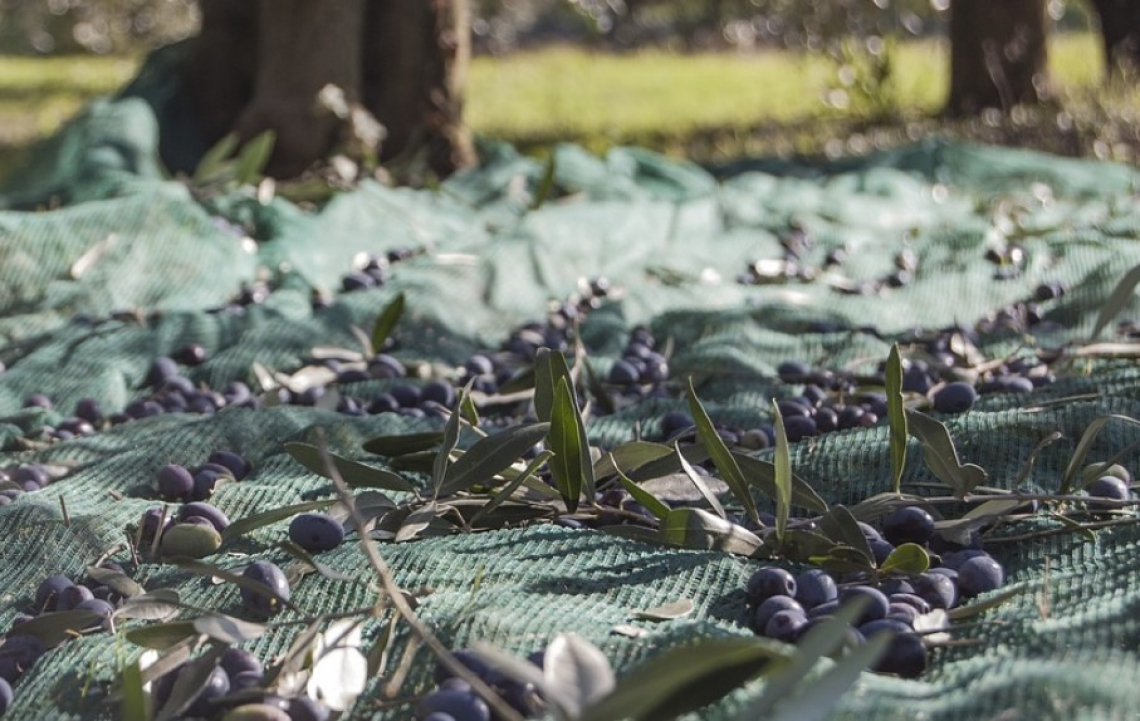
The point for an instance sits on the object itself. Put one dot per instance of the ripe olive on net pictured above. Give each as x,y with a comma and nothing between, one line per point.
954,397
265,602
204,510
175,482
979,575
768,582
909,524
316,532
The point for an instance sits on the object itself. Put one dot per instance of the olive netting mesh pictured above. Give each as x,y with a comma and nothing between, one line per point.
673,238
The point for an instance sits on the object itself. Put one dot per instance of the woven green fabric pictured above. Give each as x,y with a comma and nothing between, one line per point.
673,238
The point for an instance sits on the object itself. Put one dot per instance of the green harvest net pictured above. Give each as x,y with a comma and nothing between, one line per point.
673,238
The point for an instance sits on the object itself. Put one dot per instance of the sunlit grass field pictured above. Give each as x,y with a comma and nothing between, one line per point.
534,98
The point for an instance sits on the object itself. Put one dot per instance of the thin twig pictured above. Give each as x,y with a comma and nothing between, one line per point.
396,595
1063,530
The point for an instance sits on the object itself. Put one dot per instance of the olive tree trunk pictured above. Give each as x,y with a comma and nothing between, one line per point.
1120,34
998,54
259,65
415,63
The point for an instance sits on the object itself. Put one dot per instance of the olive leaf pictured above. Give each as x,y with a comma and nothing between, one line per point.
667,611
628,457
357,475
417,521
216,160
402,445
575,673
840,526
722,458
940,455
443,453
909,558
962,612
162,636
686,678
570,467
762,475
228,629
58,626
509,488
159,604
118,581
818,699
1116,302
699,529
201,568
132,697
490,456
386,322
245,525
307,559
252,158
1084,446
820,641
699,482
546,184
549,367
783,475
189,684
649,501
896,415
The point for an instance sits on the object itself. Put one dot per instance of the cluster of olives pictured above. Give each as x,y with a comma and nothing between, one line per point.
24,478
20,651
454,700
179,483
233,686
375,270
784,606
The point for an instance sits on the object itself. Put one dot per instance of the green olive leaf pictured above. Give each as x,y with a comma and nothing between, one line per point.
402,445
686,678
386,322
699,529
549,367
896,414
722,458
118,581
667,611
783,476
158,605
355,475
909,558
443,454
941,456
490,456
228,629
1116,302
699,482
161,636
762,475
642,496
189,684
628,457
840,526
132,701
1084,446
570,467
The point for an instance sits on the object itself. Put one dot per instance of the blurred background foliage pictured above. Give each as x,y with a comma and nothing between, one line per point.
709,79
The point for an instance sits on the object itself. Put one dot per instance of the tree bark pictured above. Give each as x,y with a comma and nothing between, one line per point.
259,65
998,55
1120,34
415,64
222,64
301,47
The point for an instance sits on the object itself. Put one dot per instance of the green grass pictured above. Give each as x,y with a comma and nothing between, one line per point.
574,94
709,104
